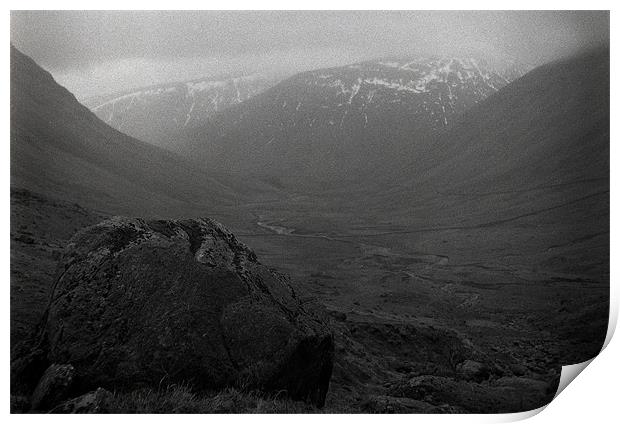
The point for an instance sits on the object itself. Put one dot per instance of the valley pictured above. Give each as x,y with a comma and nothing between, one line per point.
383,287
458,280
474,279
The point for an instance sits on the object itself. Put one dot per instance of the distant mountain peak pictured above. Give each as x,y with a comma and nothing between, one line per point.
61,149
157,114
418,75
347,118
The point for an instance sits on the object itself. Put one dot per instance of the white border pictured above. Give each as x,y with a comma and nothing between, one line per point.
311,5
591,399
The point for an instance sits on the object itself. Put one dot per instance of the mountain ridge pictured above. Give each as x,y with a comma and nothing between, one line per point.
58,147
158,113
338,120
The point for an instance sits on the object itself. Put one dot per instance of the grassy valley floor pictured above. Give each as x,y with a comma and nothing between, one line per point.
471,319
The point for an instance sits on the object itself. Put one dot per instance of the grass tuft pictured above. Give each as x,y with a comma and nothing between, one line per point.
180,399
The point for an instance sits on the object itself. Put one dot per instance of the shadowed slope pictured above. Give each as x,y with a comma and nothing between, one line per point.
60,148
549,127
356,118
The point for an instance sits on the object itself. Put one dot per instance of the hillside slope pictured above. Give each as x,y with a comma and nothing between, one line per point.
159,114
355,118
520,180
60,148
549,127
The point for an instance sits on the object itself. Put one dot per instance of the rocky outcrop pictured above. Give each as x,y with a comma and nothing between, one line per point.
503,395
401,405
95,402
54,386
473,370
138,303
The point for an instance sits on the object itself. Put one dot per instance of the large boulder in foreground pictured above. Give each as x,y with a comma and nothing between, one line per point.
143,303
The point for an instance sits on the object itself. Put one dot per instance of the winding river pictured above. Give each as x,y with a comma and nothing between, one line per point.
368,249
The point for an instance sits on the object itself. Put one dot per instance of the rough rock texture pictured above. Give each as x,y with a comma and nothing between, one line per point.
95,402
138,303
28,366
501,396
401,405
53,387
19,404
473,370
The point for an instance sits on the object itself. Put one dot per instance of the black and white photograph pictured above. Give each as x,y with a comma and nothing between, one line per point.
305,211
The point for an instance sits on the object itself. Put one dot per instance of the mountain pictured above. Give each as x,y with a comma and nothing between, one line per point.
350,118
550,127
59,148
460,281
158,114
69,169
519,181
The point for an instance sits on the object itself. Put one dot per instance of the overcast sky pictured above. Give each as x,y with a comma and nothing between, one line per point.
95,52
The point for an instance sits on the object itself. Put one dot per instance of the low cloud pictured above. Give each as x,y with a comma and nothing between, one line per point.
97,52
